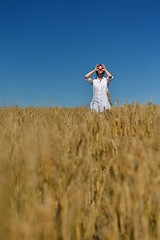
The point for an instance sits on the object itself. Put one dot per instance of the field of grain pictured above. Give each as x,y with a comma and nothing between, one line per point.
70,174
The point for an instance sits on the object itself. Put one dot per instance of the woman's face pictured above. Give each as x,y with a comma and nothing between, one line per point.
100,70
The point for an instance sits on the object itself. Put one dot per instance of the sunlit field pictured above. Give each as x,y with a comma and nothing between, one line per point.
70,174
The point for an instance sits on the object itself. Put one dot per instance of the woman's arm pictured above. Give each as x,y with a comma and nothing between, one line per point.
91,72
109,75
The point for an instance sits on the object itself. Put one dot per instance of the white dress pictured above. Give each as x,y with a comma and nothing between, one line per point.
100,101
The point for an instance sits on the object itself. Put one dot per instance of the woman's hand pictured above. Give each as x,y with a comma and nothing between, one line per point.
104,68
107,72
96,67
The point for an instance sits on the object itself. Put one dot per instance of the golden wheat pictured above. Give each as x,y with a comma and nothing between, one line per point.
70,174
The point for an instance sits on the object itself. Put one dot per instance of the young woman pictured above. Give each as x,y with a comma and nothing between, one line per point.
100,100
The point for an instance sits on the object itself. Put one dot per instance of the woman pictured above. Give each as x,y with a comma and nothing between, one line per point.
100,100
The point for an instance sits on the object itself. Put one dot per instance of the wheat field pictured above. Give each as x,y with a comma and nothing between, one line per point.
70,174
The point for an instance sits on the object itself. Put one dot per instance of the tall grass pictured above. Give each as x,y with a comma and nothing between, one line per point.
69,174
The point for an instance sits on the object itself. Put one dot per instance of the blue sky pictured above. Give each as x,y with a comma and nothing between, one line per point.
46,48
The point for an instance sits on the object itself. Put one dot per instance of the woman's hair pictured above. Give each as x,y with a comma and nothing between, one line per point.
97,71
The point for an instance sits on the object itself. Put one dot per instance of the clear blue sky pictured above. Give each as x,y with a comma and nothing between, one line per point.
46,48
